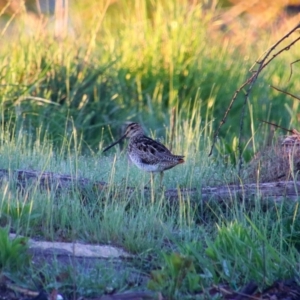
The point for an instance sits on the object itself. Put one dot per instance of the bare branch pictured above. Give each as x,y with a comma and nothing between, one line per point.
262,64
291,67
278,126
284,92
250,82
225,116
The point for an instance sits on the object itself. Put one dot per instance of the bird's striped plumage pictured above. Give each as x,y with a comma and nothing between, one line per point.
146,153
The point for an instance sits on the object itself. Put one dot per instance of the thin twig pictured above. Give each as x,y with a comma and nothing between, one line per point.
284,92
225,115
21,290
262,64
278,126
285,48
291,64
250,81
230,293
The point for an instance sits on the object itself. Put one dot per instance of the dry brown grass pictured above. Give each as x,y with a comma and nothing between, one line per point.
280,161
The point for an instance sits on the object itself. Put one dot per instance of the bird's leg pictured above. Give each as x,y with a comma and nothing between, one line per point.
151,178
161,178
152,186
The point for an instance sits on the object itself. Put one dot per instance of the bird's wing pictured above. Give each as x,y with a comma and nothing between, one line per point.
151,150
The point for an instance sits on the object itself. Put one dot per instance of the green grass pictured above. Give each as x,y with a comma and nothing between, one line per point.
63,101
104,77
184,247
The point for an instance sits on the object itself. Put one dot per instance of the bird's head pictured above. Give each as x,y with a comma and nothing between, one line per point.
132,130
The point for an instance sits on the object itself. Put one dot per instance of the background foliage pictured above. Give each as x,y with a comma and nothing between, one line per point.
120,61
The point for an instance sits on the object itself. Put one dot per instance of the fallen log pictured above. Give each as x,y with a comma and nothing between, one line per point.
277,191
47,180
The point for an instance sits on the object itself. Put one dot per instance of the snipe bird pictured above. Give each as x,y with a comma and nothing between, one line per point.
146,153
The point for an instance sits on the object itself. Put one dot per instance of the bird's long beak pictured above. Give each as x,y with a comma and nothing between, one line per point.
115,143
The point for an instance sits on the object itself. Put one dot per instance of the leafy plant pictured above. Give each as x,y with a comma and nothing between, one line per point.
13,251
178,275
238,249
18,216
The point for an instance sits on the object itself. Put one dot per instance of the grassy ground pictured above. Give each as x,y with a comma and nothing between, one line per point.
62,101
186,246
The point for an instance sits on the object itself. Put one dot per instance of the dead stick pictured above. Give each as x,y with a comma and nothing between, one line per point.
284,92
278,126
251,81
291,67
223,121
21,290
262,65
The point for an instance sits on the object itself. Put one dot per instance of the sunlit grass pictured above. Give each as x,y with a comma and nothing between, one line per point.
145,223
156,57
162,64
